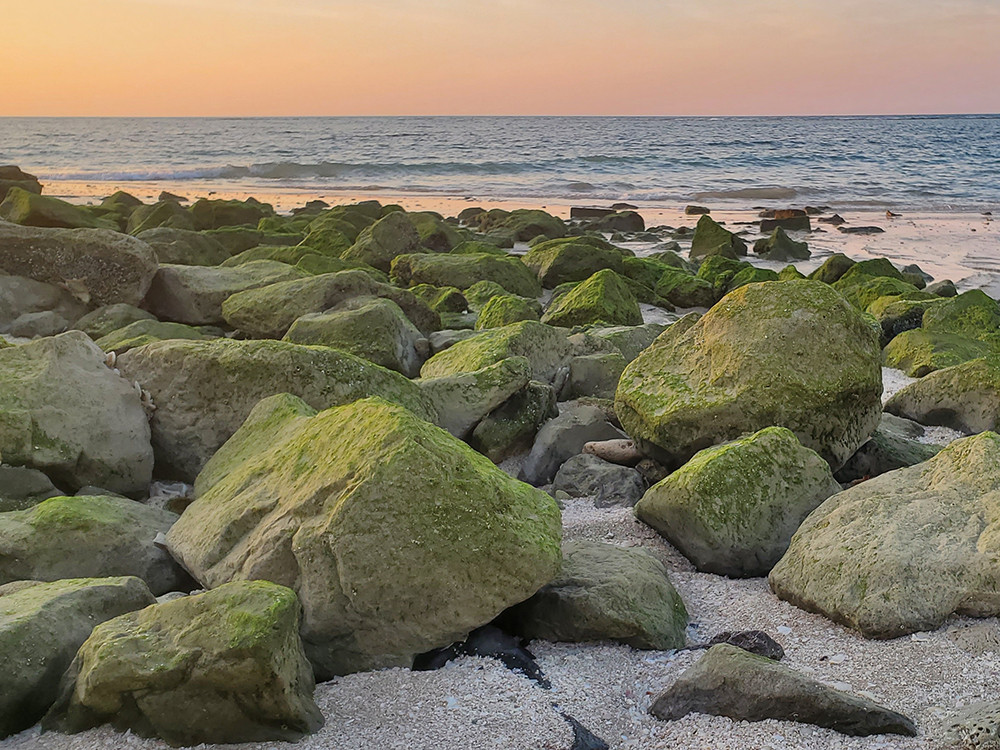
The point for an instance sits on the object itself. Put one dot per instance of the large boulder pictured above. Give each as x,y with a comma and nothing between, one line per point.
710,238
225,666
546,349
212,213
464,399
511,427
397,537
21,488
586,475
562,438
728,681
167,213
29,307
380,243
373,329
204,390
14,177
41,628
64,412
108,536
109,318
194,294
98,266
605,593
732,509
269,311
559,261
964,397
920,352
604,298
781,248
972,314
685,290
504,309
903,551
33,210
789,353
184,247
521,224
144,332
464,270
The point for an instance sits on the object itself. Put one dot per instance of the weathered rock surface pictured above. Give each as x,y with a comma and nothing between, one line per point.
586,475
964,397
464,399
21,488
511,428
465,270
562,438
184,247
25,302
604,298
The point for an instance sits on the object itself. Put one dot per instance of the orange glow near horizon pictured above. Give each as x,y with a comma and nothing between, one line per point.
396,57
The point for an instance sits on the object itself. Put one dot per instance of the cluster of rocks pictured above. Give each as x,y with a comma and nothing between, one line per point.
328,396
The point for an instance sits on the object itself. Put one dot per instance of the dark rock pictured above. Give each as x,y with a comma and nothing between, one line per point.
165,196
696,210
630,207
861,230
589,212
562,438
491,642
583,738
789,220
943,288
755,641
835,220
885,452
609,484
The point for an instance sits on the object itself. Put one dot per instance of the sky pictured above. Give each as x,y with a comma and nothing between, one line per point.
518,57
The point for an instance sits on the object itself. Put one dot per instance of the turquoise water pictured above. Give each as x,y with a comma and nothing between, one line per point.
919,162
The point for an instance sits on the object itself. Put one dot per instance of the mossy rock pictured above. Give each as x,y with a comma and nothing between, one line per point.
605,298
897,314
469,540
482,292
964,397
505,309
789,353
862,290
522,224
920,352
184,247
710,239
629,341
556,262
436,234
732,509
144,332
210,213
475,247
780,247
511,428
225,666
328,241
167,214
832,269
32,210
874,267
441,299
379,244
462,271
290,254
645,271
317,265
751,275
972,314
790,273
684,290
104,320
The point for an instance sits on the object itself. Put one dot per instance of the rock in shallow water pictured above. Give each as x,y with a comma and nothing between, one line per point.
729,681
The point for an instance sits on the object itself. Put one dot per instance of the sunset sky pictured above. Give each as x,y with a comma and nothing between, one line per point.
660,57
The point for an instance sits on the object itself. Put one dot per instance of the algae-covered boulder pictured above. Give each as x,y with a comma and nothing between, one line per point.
605,593
64,412
750,275
462,271
464,399
904,551
965,397
556,262
387,238
33,210
780,247
41,628
184,247
108,536
712,239
546,349
373,329
605,298
435,233
211,213
441,299
204,390
108,318
790,273
972,314
14,177
629,340
897,314
144,332
733,508
511,427
225,666
832,268
684,290
268,312
919,352
793,354
167,213
521,225
504,309
397,537
98,266
194,294
29,308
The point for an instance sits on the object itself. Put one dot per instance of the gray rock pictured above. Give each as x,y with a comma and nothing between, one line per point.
609,484
564,437
22,300
885,452
594,375
21,488
729,681
104,320
184,247
976,727
511,428
964,397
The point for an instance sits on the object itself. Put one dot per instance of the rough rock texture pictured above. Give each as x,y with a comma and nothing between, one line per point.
605,593
33,210
712,239
64,412
562,438
104,320
380,243
586,475
511,428
786,353
902,552
184,247
733,508
205,389
780,247
887,451
144,332
594,375
269,311
108,536
194,294
98,266
41,628
965,397
604,298
25,304
223,666
729,681
21,488
504,309
920,352
558,261
397,537
462,271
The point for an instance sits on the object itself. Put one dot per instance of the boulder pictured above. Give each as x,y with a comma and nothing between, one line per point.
21,488
464,399
211,213
462,271
109,318
943,288
619,221
562,438
780,247
898,314
594,375
605,593
108,535
33,210
511,427
397,537
684,290
920,352
862,290
144,332
789,353
97,266
269,311
64,412
728,681
204,390
380,243
558,261
441,299
184,247
733,508
27,305
629,340
887,451
372,329
906,550
226,666
162,214
41,628
13,177
832,269
521,225
504,309
603,298
586,475
710,238
964,397
435,233
972,314
194,294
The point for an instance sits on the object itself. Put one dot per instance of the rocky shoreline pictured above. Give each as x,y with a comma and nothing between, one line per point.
302,458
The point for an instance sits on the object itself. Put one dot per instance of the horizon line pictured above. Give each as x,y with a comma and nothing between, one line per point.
511,116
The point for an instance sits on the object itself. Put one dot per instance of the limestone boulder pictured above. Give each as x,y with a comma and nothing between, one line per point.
964,397
464,399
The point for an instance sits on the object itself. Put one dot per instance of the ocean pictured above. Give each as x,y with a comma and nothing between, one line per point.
943,163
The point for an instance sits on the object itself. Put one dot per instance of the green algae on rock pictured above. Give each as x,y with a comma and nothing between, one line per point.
572,259
504,309
397,537
604,298
964,397
710,238
462,271
919,352
144,332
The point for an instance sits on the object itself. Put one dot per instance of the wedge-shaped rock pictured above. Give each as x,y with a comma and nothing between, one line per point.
203,390
787,353
41,628
62,411
225,666
964,397
732,509
88,536
728,681
464,399
603,298
904,551
397,537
